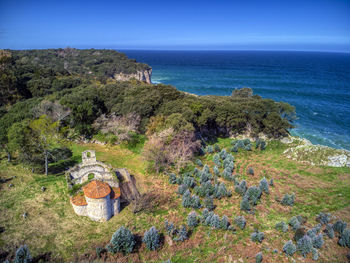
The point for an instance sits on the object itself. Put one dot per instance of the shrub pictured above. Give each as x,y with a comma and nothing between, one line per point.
240,144
271,182
250,171
223,154
169,228
216,148
260,144
282,226
192,219
344,240
241,188
216,159
216,171
240,222
234,149
253,194
182,189
172,178
304,245
199,163
329,230
186,199
323,218
188,181
122,241
224,223
289,248
221,191
152,239
294,223
258,257
257,236
245,206
209,149
314,254
22,255
264,186
312,232
182,234
208,203
317,241
339,226
248,147
195,202
215,221
288,200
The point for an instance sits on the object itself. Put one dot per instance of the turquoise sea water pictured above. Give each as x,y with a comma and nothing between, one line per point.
317,84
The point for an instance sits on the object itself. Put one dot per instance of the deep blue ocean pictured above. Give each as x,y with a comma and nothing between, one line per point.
317,84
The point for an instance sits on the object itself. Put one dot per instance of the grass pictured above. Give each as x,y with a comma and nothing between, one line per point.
53,227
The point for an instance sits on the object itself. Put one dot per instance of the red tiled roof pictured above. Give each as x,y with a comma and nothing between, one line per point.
78,200
96,189
115,193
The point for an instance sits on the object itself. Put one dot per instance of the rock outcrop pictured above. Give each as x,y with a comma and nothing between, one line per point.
141,75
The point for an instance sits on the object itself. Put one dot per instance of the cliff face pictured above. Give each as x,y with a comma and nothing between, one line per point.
141,75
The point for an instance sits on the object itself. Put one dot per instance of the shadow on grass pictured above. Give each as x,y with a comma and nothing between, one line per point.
61,166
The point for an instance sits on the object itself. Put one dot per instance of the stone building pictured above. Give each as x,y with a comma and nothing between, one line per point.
100,197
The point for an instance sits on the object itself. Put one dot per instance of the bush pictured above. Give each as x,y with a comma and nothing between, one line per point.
253,194
172,178
245,206
339,226
199,163
314,254
22,255
208,203
241,188
169,228
240,222
215,221
195,202
260,144
152,239
258,257
182,234
317,241
289,248
182,189
192,219
122,241
224,223
188,181
257,236
288,200
294,223
216,171
216,159
250,171
186,199
329,231
223,154
221,191
344,240
323,218
248,147
271,182
216,148
209,149
99,251
264,186
282,226
304,245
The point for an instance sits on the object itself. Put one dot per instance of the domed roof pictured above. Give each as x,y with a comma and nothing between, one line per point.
78,200
115,193
96,189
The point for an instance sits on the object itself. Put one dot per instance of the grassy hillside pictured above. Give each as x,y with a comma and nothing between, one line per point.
54,232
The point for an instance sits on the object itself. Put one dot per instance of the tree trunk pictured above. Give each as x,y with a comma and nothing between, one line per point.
46,162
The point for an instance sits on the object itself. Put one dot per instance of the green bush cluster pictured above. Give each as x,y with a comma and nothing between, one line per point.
240,221
151,238
288,200
304,245
344,239
122,241
192,219
177,234
289,248
257,236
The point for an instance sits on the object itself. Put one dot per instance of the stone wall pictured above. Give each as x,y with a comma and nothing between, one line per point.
115,206
80,210
99,209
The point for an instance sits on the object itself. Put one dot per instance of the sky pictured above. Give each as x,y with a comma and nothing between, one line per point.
310,25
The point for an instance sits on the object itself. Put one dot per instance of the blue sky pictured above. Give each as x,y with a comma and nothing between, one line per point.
320,25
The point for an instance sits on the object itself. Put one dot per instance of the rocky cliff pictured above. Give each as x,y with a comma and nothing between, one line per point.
141,75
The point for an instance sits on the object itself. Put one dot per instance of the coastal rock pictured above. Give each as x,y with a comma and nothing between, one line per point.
141,75
340,160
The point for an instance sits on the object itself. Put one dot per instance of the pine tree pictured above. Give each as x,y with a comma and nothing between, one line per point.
294,223
216,159
208,203
172,178
192,219
329,231
199,163
264,186
344,240
323,218
282,226
224,223
195,202
182,189
257,236
339,226
258,257
250,171
317,241
223,154
22,255
215,221
152,239
122,241
288,200
304,245
216,171
253,194
182,234
289,248
186,199
240,222
314,254
245,206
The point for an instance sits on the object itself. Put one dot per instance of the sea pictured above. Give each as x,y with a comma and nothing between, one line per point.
316,83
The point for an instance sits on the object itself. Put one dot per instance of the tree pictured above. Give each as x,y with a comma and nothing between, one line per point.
151,238
122,241
48,136
192,219
155,152
22,255
289,248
